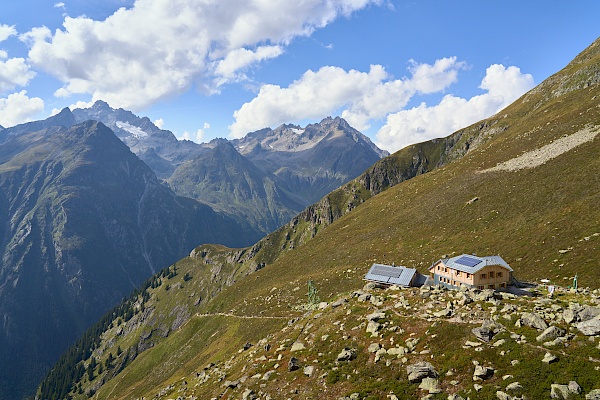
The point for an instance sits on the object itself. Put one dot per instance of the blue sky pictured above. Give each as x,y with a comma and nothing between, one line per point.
399,71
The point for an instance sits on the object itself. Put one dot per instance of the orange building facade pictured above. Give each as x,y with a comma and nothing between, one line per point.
490,272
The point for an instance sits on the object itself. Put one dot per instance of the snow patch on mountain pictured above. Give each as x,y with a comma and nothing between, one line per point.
134,130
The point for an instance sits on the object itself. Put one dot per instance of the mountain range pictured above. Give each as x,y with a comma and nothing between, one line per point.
237,323
263,179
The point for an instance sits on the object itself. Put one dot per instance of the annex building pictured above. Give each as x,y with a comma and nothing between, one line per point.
490,272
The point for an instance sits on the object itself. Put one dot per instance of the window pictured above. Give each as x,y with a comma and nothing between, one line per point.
445,269
483,276
468,275
457,273
491,274
480,287
490,286
499,274
503,285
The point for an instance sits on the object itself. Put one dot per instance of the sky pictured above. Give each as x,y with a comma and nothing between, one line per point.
401,72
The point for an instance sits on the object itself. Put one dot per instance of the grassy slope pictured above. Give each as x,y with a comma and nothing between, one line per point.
526,216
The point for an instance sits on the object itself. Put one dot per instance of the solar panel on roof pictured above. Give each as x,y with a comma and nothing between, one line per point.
468,261
386,270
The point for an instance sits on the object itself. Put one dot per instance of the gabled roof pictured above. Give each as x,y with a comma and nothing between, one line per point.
471,264
390,275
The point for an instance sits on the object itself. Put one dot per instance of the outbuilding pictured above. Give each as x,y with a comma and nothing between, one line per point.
490,272
388,275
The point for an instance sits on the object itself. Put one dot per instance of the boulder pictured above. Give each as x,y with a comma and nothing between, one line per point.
373,327
297,346
590,327
346,354
550,333
533,320
373,347
574,387
293,364
376,316
559,391
417,372
482,372
588,313
431,385
309,370
549,358
570,315
514,386
487,330
593,395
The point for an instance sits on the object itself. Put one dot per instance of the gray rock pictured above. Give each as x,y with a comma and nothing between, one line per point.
376,316
231,384
590,327
593,395
248,394
373,347
550,333
533,320
297,346
588,313
339,302
482,372
549,358
346,354
309,370
373,327
417,372
574,387
559,391
293,364
514,386
502,395
486,331
431,385
570,315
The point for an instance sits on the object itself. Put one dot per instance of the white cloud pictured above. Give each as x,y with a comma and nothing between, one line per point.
239,59
62,93
359,96
14,72
18,108
7,31
160,48
159,123
59,5
197,137
503,86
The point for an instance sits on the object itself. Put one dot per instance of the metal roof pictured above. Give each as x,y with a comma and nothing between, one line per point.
471,264
391,275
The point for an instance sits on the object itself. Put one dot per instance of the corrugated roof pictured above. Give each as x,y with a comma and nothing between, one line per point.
471,264
390,275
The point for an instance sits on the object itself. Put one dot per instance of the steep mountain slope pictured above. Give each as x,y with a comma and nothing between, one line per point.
228,182
478,191
83,223
312,161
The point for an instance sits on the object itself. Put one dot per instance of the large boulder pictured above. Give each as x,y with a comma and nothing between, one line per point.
417,372
487,330
533,320
590,327
550,333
